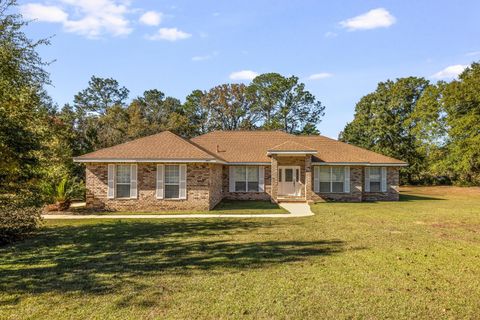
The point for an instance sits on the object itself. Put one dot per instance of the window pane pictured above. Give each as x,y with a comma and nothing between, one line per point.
297,177
123,191
172,191
240,173
374,186
338,174
280,175
172,174
253,186
252,174
240,186
324,186
375,174
324,174
123,174
288,175
337,186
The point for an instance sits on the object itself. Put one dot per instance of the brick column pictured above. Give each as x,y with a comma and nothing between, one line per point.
308,178
274,178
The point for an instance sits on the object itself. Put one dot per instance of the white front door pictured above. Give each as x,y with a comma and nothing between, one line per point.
289,181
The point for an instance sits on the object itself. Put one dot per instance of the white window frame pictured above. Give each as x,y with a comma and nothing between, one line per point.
165,183
132,183
382,181
260,178
346,179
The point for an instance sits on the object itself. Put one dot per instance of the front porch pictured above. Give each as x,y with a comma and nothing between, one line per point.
291,177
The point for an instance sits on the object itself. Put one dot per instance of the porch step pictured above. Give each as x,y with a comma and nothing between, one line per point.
291,199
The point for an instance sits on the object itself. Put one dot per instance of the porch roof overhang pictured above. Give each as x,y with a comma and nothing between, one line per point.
290,152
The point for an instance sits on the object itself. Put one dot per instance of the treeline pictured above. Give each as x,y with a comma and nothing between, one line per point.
435,127
101,116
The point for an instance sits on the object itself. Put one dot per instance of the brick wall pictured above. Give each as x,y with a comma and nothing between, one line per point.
247,195
357,181
198,190
393,180
355,194
216,192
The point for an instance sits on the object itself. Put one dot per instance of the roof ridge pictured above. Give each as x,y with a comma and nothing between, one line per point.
291,141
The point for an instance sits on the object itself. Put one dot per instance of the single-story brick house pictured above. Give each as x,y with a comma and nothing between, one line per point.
167,172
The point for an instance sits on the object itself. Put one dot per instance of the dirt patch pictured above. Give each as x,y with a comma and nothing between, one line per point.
452,225
441,190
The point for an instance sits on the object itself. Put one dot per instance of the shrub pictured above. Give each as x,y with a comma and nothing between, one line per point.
62,193
18,219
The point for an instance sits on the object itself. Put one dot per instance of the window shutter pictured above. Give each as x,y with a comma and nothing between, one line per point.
183,181
111,181
261,179
316,179
231,176
160,174
133,181
346,185
367,179
384,179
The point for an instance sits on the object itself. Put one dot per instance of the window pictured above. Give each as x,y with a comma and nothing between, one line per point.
375,179
246,179
252,179
172,181
123,181
331,179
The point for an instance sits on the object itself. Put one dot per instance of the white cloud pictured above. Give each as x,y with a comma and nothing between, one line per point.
151,18
449,72
472,54
243,75
43,13
330,34
169,34
376,18
90,18
320,76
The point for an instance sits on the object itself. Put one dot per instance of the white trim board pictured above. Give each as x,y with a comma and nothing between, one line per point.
366,164
112,160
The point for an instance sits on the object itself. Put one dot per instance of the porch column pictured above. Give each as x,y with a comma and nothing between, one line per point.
308,178
274,178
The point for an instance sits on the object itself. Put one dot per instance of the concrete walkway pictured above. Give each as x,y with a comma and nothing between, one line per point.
296,210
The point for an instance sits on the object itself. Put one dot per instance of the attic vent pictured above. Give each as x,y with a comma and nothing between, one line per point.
218,149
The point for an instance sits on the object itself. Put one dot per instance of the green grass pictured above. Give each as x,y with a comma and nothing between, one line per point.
418,258
224,207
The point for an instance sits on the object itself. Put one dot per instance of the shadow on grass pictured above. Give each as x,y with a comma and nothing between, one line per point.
101,258
411,197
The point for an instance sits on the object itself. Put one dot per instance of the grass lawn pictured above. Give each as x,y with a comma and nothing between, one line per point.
224,207
418,258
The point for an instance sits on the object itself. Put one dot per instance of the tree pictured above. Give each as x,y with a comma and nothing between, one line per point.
94,103
383,123
199,115
283,103
229,107
461,104
100,94
24,106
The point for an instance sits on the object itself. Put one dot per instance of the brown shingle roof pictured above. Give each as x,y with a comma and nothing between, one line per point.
161,146
237,147
252,146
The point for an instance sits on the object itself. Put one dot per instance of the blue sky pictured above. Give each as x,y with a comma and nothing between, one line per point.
339,49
